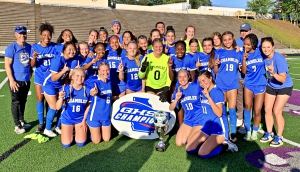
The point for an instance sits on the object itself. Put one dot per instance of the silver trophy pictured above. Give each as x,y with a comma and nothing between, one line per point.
161,126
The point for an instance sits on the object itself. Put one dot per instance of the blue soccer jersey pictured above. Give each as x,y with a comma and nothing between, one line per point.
171,50
190,101
186,63
227,77
280,66
255,69
77,60
57,64
58,49
113,60
92,71
45,54
20,60
131,69
76,102
101,103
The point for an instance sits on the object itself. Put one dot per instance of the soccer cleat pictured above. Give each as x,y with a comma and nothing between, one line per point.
40,128
277,142
49,133
25,125
233,137
242,130
267,137
19,130
232,147
254,135
58,130
248,136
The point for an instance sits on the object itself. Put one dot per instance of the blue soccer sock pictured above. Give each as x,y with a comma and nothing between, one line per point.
247,119
66,145
58,116
213,153
49,118
233,118
255,128
80,144
194,151
40,111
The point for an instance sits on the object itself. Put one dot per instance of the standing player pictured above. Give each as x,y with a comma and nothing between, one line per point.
17,67
65,36
76,98
130,65
207,142
188,95
98,117
189,34
143,45
161,27
103,35
55,78
170,41
93,39
127,37
216,36
79,60
41,55
255,84
116,29
228,63
278,91
157,70
153,34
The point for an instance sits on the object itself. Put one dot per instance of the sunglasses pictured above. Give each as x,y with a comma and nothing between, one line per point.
21,28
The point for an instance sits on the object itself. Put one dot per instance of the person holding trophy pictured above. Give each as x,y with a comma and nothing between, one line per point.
212,139
188,95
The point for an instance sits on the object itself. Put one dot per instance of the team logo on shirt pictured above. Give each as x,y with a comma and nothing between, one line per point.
132,115
24,58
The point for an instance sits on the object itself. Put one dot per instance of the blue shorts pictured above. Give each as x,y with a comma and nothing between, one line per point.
38,78
226,88
193,123
118,89
50,90
66,121
256,89
134,89
97,124
217,126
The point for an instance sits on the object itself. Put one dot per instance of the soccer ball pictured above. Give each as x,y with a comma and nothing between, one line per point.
160,118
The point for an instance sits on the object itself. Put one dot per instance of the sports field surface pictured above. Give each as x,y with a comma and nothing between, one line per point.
126,154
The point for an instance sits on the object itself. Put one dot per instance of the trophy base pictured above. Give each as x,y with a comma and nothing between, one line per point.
161,146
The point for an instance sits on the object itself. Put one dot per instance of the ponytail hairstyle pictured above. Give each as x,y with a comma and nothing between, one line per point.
170,29
132,37
138,55
71,83
149,39
212,53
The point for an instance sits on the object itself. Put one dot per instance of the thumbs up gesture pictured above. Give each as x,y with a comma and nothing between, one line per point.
121,67
271,68
198,64
178,94
144,65
62,94
94,91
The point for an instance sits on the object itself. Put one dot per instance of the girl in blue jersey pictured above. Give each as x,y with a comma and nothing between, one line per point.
278,91
127,37
228,63
65,36
188,95
55,78
255,84
216,36
114,59
79,60
153,34
193,44
130,65
76,98
207,141
143,45
189,34
98,117
170,44
103,35
206,58
91,65
93,39
42,53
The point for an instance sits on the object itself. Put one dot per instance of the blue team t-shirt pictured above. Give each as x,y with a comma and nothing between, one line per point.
113,60
45,54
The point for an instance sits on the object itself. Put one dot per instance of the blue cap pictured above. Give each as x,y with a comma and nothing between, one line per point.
116,22
245,26
20,29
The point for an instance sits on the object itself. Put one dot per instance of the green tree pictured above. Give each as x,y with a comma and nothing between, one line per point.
260,6
195,4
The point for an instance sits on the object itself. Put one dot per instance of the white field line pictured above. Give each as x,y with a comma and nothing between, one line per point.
3,82
294,73
284,139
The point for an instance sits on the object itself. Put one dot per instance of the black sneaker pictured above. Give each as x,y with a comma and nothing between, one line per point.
25,125
40,128
233,137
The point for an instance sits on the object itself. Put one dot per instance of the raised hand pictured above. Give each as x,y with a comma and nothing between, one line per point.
66,68
144,65
78,64
217,62
62,94
178,94
205,92
271,68
95,60
35,54
198,64
170,62
94,91
121,67
91,54
245,56
166,49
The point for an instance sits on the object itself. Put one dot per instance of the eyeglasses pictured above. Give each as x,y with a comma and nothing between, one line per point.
21,28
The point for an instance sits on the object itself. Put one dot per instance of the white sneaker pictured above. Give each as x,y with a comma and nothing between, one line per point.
19,130
49,133
239,122
232,147
25,125
58,130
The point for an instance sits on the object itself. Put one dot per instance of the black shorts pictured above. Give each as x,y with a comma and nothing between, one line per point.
283,91
147,88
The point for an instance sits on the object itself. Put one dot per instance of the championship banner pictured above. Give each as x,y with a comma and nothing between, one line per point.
132,115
